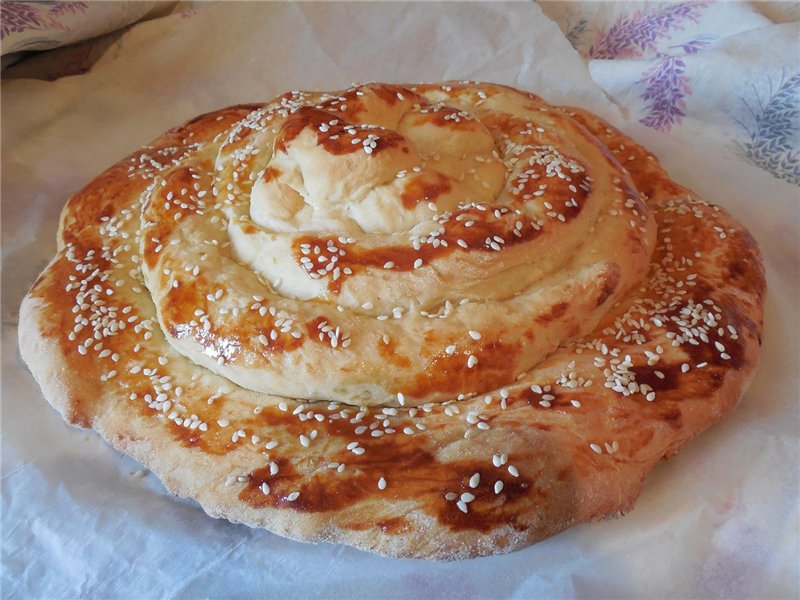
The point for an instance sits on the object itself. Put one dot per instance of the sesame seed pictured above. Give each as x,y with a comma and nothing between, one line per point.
513,471
472,361
293,496
381,483
475,335
475,480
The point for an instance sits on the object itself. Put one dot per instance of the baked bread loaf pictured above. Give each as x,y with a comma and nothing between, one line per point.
434,321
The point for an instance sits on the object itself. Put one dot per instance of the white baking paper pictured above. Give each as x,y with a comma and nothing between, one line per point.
80,520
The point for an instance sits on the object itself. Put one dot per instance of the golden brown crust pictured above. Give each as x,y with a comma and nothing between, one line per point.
570,441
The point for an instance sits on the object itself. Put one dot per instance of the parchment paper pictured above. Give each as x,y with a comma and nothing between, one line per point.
78,519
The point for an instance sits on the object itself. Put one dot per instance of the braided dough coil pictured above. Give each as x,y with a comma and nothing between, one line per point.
434,320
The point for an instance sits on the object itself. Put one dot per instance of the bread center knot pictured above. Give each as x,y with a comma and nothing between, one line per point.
377,159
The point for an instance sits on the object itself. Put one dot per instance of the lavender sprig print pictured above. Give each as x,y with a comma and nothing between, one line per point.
16,17
67,8
667,86
632,35
773,131
694,46
574,33
665,93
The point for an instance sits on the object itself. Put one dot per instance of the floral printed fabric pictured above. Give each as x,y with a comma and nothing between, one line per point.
47,24
677,65
22,17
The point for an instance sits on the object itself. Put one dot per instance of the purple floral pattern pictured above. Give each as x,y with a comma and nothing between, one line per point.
666,84
16,17
67,8
696,45
665,92
634,35
661,60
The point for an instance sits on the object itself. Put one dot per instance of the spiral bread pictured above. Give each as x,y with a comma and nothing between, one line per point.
434,321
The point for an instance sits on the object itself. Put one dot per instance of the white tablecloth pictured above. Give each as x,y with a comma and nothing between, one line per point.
711,88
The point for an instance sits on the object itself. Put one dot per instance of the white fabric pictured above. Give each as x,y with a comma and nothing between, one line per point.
720,519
